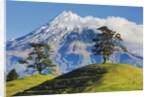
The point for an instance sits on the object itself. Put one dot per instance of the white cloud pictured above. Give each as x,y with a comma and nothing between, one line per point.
131,32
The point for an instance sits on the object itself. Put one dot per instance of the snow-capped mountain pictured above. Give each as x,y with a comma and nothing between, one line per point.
70,37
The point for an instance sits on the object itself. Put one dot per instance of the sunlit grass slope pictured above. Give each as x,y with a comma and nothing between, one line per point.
92,78
20,85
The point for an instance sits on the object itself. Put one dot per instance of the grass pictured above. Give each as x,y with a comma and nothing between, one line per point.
92,78
120,78
22,84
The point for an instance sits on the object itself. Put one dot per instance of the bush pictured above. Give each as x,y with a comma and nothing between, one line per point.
12,75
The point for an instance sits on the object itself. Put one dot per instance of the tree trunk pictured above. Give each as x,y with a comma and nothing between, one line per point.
106,59
40,71
39,68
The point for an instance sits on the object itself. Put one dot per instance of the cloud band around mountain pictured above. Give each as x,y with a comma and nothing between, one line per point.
131,32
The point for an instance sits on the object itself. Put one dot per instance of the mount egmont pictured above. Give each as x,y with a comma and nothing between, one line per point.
70,37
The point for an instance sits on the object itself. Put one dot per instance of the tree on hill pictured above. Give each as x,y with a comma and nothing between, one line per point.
38,59
106,43
12,75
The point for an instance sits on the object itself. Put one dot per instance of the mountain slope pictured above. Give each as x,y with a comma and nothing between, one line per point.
92,78
20,85
70,36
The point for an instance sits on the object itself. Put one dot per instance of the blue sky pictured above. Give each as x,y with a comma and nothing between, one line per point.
24,17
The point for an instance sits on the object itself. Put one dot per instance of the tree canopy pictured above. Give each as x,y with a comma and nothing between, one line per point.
39,58
107,42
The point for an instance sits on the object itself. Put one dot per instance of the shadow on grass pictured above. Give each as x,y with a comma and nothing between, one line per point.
76,81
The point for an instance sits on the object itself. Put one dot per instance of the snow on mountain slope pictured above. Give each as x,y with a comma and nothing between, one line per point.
70,37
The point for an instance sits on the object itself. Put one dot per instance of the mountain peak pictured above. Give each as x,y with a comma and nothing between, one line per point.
68,13
66,20
68,16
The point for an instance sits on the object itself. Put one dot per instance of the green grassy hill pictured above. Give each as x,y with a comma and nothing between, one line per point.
22,84
92,78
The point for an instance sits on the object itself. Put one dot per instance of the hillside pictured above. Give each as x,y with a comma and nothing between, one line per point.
22,84
92,78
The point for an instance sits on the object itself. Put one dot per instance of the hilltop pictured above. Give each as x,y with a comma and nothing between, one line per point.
92,78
